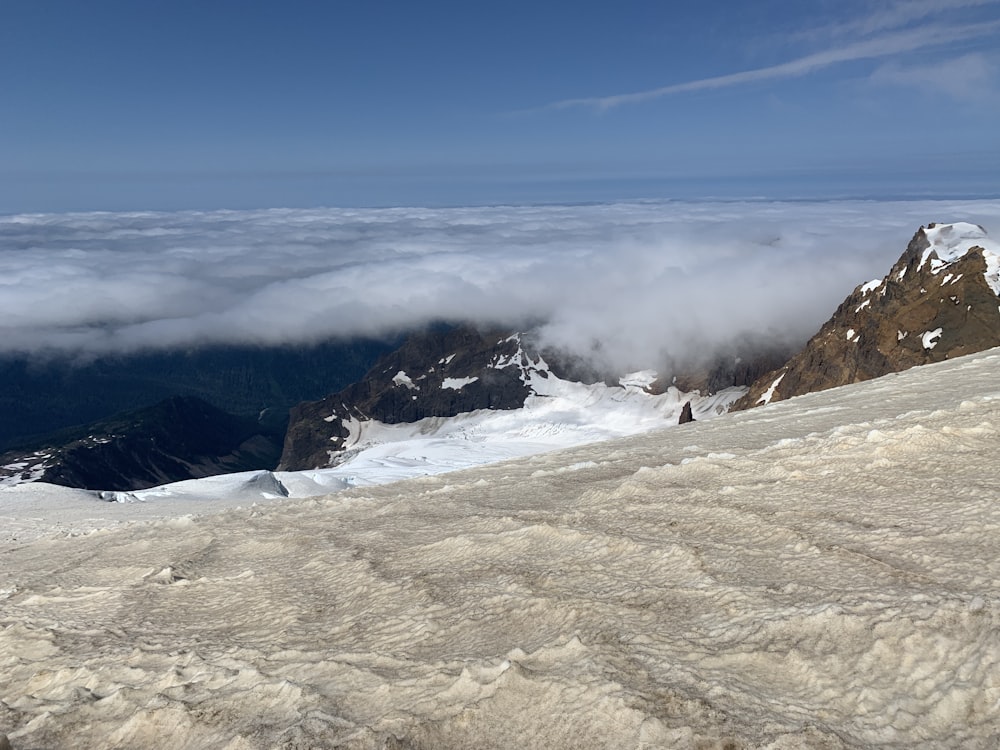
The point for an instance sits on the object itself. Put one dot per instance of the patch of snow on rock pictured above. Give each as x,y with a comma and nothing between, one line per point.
769,393
871,286
457,384
929,338
401,378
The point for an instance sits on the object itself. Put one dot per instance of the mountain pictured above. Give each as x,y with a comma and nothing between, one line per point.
180,438
433,374
443,387
435,404
939,301
40,395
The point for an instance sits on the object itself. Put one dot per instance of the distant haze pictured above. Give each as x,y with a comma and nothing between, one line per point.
626,285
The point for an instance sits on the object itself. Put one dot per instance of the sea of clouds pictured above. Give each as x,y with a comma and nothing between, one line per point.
625,284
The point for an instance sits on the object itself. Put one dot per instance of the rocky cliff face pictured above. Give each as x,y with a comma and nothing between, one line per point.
39,396
434,374
939,300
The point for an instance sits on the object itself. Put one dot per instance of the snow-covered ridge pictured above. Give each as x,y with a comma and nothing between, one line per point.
546,413
949,242
556,414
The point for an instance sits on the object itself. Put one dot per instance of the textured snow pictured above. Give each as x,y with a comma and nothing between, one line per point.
818,573
951,241
640,379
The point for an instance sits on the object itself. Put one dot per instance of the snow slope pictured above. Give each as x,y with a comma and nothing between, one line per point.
817,573
560,414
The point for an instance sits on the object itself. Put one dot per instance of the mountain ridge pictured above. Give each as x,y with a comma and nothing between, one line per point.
182,437
938,301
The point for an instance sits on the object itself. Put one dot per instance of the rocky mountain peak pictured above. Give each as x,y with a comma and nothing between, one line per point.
939,300
433,374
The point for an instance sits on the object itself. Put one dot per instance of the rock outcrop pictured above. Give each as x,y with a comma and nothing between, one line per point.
686,414
939,300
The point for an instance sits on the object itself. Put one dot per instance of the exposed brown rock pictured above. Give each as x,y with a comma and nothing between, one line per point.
893,326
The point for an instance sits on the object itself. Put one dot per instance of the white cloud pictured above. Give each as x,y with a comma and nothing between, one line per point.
639,281
970,77
885,45
899,14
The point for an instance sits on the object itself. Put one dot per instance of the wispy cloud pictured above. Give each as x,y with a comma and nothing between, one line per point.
881,46
969,77
632,282
900,14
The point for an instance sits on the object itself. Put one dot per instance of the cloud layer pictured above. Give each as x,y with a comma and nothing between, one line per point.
627,284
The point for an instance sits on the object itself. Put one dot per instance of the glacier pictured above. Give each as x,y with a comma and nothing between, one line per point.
818,572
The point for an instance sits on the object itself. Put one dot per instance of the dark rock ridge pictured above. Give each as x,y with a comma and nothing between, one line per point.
433,374
41,395
180,438
939,300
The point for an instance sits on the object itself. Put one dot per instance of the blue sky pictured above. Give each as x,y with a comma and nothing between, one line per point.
169,105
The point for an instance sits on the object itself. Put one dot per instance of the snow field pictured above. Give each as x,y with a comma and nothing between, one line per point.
817,573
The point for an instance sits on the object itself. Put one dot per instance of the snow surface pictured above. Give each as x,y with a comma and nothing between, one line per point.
818,573
642,379
561,414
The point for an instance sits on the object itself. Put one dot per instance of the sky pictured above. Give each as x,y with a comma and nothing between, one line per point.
153,105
